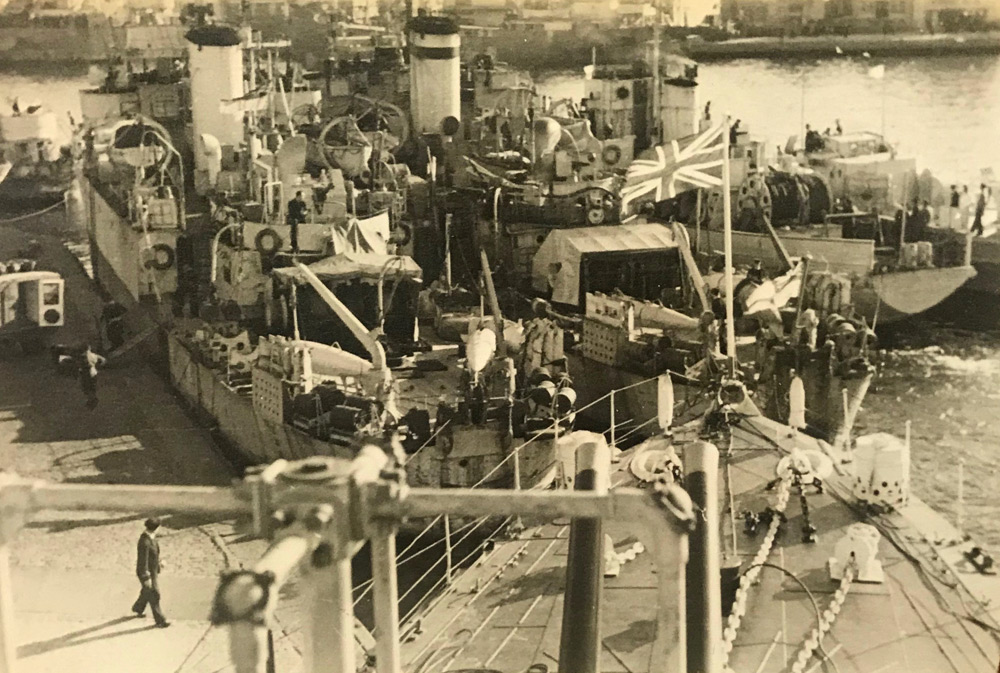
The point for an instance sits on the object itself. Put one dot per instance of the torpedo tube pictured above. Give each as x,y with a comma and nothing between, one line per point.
435,75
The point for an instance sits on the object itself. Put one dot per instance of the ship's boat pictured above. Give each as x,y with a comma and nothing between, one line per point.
35,167
836,202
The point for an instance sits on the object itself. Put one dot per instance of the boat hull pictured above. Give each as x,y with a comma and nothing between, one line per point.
892,296
635,399
902,294
986,261
28,192
251,439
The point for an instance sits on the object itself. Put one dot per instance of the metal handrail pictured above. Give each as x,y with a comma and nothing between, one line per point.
325,513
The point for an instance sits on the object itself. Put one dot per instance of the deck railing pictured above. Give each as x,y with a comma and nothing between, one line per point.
319,512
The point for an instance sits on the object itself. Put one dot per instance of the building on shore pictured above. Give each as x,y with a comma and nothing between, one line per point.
810,17
955,15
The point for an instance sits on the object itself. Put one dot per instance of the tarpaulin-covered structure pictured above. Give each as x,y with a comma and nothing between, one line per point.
365,266
636,259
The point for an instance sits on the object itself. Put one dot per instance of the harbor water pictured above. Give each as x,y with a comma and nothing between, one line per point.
944,112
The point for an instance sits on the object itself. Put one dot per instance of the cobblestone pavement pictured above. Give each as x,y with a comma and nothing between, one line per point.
73,572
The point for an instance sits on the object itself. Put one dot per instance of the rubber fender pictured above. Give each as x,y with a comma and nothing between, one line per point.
163,257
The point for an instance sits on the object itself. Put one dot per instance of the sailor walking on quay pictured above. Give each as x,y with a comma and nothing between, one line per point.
147,568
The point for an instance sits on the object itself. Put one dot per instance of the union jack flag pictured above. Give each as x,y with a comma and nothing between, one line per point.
694,161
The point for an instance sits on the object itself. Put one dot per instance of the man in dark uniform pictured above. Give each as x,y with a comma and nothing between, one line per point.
296,215
977,223
147,568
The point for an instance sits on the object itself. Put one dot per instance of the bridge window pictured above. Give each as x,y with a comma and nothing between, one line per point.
50,294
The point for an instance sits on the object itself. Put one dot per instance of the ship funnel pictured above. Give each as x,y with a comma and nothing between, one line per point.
215,58
435,75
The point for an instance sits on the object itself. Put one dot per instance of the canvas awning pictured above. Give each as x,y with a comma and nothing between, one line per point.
367,236
557,262
369,267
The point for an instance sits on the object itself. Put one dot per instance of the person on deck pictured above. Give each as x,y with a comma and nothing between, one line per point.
954,199
113,317
89,360
965,207
321,190
977,223
296,215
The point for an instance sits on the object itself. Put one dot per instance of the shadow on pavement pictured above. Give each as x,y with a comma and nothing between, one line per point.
64,525
74,637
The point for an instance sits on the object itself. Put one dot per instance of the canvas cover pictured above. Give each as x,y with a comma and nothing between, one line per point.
361,265
557,263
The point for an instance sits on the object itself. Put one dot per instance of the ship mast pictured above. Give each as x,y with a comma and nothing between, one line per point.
727,212
657,127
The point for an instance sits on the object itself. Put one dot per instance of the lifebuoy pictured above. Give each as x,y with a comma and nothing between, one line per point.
595,215
267,242
403,235
162,257
611,154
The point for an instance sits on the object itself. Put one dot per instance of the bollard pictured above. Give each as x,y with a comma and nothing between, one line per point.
704,600
580,641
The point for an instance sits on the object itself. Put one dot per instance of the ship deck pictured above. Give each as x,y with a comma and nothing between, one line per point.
433,376
930,614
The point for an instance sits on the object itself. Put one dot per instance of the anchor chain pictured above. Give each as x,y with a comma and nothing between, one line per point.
750,577
826,621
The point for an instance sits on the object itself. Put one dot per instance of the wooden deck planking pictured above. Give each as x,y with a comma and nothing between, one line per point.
516,620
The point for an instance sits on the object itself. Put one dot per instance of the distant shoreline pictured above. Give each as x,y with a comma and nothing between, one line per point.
561,54
980,44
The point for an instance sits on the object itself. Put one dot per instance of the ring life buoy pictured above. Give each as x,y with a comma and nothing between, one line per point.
267,242
162,257
611,154
595,216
